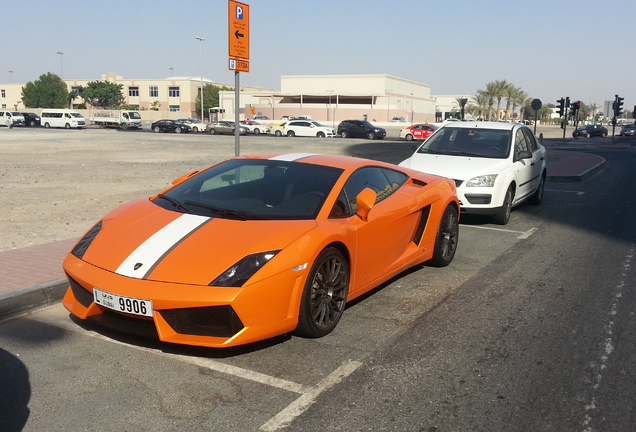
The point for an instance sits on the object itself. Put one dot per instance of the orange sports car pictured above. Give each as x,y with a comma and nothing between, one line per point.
259,246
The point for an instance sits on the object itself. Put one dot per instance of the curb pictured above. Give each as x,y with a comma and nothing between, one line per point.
32,298
579,177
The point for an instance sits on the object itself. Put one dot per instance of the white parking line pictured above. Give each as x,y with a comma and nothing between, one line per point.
300,405
308,394
565,191
522,234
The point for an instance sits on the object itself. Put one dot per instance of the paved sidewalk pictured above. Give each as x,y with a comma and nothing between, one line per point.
32,277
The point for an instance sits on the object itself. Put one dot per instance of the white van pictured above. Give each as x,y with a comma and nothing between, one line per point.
11,118
63,118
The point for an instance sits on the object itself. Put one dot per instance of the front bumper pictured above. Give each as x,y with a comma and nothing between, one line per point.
189,314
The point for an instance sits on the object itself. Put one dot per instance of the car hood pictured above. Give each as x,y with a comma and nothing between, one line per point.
455,167
144,241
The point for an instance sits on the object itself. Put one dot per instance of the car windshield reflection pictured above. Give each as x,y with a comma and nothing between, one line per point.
486,143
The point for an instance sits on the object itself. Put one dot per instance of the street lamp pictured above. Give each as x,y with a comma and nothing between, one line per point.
61,68
11,76
200,39
412,100
171,72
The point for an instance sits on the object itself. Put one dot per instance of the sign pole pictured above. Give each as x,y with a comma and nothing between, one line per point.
237,128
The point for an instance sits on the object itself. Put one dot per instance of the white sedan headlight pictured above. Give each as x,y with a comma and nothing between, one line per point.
482,181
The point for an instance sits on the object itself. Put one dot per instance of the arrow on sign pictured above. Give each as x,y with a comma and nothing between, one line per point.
238,35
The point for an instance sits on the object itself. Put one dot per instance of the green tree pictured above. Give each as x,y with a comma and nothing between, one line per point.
102,94
49,91
210,97
478,106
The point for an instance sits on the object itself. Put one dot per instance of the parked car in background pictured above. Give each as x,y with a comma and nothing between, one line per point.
196,125
11,118
278,129
31,119
397,120
306,128
418,132
590,131
360,129
170,126
495,165
628,130
224,127
261,117
254,127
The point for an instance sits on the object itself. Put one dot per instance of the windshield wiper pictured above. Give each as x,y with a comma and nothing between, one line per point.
178,204
235,214
463,153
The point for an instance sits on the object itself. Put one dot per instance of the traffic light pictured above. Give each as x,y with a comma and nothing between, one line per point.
561,106
575,106
618,106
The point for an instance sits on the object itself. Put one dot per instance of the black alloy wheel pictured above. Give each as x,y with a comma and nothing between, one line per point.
325,294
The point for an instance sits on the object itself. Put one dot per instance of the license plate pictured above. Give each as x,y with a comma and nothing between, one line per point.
127,305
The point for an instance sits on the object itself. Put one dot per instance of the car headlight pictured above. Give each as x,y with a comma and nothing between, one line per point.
482,181
240,272
80,248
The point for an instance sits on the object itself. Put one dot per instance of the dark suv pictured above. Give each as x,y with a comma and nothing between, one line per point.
361,129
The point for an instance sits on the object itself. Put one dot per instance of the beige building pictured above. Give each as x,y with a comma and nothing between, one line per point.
333,98
326,98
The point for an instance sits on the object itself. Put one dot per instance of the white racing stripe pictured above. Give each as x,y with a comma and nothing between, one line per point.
290,157
150,252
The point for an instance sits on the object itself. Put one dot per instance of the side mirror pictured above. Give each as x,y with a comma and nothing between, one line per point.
184,177
525,154
365,201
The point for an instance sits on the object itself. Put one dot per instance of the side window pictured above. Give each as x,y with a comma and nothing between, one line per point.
520,142
382,181
532,142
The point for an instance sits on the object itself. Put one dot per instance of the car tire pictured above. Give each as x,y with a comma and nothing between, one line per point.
446,239
156,129
537,197
67,126
47,125
604,134
345,134
257,131
278,133
588,135
409,137
195,129
291,133
502,216
212,131
177,130
32,123
371,135
324,295
320,134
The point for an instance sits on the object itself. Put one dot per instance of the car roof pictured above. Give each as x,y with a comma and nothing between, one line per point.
484,125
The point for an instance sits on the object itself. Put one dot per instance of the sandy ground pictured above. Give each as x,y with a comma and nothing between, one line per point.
55,184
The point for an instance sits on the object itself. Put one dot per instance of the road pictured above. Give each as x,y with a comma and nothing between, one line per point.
530,328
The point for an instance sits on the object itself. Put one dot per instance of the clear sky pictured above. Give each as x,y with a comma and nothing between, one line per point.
549,48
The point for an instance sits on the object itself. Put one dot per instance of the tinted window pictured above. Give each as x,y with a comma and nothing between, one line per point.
382,181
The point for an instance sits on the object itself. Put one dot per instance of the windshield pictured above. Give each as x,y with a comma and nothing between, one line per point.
76,115
477,142
249,189
315,123
134,115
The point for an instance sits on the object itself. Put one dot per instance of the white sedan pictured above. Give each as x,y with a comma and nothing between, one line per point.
196,125
254,127
495,165
305,128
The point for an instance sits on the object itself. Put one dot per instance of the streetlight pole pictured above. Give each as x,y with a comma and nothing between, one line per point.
171,72
61,68
388,104
330,92
200,39
11,76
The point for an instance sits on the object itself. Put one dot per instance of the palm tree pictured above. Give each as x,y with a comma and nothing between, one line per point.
519,99
479,105
499,91
510,93
490,94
